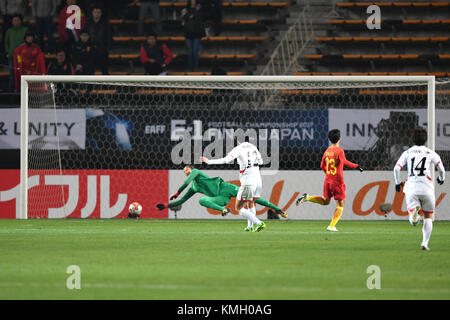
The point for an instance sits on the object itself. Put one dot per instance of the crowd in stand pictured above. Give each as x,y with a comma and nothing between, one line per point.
85,36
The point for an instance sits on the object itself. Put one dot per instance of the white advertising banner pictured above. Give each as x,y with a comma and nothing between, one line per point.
359,126
45,127
364,193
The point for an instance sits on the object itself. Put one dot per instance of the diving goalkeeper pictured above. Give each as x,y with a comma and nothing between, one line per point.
218,193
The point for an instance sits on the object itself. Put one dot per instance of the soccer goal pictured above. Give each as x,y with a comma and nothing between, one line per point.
90,145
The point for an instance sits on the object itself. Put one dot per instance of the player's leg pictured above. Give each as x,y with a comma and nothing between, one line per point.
337,215
244,195
413,205
428,207
215,203
249,227
322,200
338,192
426,229
270,205
261,225
256,193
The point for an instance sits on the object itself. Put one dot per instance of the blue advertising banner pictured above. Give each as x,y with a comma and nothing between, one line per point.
141,129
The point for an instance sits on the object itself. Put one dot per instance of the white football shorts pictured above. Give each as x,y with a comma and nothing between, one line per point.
249,192
425,201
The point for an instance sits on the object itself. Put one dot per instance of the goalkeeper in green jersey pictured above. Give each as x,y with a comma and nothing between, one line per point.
218,193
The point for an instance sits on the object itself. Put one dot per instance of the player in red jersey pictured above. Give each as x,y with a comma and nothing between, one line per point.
333,162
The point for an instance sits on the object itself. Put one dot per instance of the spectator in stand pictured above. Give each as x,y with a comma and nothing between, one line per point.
68,36
153,5
43,12
213,12
101,38
10,8
15,36
83,55
194,30
155,56
28,59
61,66
116,8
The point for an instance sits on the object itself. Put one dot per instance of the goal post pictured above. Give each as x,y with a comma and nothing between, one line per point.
165,101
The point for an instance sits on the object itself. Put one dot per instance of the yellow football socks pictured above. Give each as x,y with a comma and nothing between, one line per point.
316,199
337,215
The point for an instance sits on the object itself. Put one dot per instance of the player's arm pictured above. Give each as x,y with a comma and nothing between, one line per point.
229,158
323,164
183,199
194,173
438,162
348,163
189,193
259,159
398,166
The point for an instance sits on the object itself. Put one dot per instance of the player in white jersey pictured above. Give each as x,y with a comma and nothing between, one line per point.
419,187
249,160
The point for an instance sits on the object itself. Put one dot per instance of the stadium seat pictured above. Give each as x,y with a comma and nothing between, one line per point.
420,39
381,39
370,56
409,56
351,56
224,4
362,39
400,39
393,4
439,39
389,56
242,21
314,56
440,4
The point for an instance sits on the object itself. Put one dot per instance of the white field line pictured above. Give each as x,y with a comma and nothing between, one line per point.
149,231
217,289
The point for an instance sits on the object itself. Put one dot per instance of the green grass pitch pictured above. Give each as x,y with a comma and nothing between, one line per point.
216,259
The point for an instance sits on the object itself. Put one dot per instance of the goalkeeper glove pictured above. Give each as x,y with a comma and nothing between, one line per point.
398,187
440,181
360,169
161,206
174,196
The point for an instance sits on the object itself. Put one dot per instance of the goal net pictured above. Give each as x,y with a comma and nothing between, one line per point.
97,143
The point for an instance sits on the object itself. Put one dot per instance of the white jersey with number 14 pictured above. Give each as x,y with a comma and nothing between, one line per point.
418,160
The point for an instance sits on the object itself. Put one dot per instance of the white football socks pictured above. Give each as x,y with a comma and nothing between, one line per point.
249,216
411,215
249,224
253,211
410,219
426,231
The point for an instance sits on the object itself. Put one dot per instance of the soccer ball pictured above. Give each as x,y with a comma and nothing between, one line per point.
134,210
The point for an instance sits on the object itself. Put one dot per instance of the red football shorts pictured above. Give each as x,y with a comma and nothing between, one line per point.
332,190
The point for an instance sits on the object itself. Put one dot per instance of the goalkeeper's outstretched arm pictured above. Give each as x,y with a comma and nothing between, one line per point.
194,173
183,199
